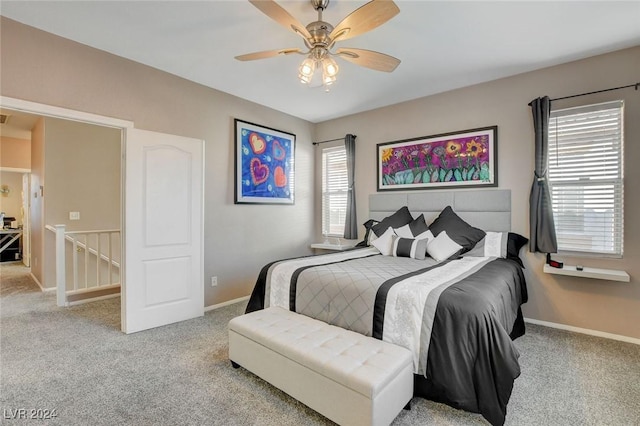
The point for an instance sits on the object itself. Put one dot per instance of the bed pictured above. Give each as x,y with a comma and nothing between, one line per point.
455,307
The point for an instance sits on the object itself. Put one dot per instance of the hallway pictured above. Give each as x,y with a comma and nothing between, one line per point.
15,279
20,295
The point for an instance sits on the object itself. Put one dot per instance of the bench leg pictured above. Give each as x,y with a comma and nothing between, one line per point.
408,406
234,365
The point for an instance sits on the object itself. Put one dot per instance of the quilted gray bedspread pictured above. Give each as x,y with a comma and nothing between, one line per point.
342,293
456,316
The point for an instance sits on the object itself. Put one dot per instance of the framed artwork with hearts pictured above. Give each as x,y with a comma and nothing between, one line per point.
264,164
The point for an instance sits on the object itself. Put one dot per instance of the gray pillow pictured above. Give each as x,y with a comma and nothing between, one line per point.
417,226
409,247
457,229
396,220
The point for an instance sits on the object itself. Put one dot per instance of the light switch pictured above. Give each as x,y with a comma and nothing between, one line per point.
74,215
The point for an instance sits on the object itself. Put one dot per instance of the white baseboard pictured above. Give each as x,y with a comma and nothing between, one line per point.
584,331
227,303
93,299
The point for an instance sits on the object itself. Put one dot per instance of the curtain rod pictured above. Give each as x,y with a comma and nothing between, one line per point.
636,85
330,140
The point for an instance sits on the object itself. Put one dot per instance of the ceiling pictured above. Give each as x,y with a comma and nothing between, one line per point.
443,45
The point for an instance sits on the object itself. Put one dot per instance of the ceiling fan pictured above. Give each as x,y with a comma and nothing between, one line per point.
320,37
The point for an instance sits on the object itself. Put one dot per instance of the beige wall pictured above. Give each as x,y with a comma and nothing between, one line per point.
606,306
11,203
83,174
82,162
238,239
15,153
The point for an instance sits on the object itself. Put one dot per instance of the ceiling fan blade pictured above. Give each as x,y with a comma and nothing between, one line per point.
365,18
370,59
274,11
267,54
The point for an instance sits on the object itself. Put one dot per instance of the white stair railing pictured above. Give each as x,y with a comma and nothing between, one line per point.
89,242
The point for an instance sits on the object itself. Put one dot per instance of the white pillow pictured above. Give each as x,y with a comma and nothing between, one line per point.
404,232
442,247
372,238
384,243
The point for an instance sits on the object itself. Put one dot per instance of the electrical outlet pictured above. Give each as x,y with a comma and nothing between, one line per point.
214,281
74,215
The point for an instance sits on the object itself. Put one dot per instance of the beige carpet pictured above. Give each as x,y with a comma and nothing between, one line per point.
76,361
15,280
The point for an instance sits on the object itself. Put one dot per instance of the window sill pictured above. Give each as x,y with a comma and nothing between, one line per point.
597,273
332,246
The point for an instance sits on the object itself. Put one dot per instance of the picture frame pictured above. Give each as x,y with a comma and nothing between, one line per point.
264,164
462,159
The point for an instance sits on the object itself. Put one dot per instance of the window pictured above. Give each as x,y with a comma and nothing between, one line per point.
334,190
586,178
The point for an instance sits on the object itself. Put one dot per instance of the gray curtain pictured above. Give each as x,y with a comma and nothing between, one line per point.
350,222
542,226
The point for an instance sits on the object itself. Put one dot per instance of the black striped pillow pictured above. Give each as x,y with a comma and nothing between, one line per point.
409,247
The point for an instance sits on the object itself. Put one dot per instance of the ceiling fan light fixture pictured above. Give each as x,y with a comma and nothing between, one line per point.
307,68
329,67
304,79
328,80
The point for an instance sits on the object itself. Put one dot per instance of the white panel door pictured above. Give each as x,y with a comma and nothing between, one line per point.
163,223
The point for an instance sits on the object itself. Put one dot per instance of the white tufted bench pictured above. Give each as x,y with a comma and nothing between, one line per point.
350,378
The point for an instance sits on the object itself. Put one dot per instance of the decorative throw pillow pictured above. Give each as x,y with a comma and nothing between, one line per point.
409,247
366,242
442,247
413,229
384,243
396,220
457,229
514,243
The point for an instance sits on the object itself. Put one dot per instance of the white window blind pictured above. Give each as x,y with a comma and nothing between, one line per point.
586,178
334,190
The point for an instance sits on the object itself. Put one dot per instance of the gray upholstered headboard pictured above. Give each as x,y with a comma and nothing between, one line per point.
489,210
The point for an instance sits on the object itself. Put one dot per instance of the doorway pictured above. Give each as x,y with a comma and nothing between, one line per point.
83,188
83,160
14,208
153,296
15,168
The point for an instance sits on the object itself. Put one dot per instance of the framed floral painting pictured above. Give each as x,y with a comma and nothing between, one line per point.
463,159
264,164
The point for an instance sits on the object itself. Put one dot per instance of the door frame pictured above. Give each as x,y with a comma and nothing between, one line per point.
84,117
